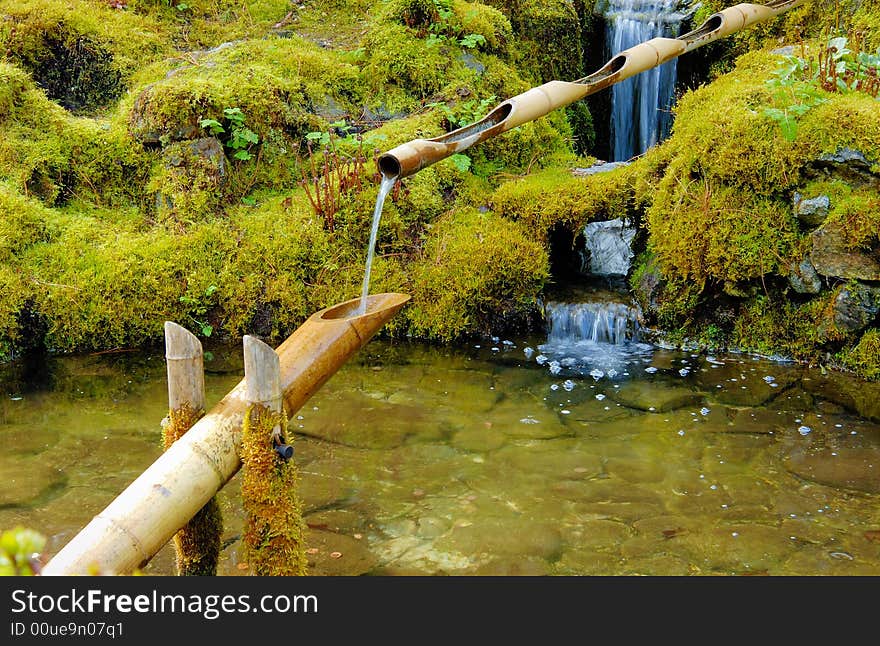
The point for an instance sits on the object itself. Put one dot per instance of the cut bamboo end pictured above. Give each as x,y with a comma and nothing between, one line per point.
185,365
262,374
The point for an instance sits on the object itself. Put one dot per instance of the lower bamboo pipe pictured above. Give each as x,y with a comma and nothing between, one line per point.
129,532
411,157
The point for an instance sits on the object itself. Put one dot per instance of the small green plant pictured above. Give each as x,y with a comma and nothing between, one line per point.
838,66
464,112
19,552
239,137
200,306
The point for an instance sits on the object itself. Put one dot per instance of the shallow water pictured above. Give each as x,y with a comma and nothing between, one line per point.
478,460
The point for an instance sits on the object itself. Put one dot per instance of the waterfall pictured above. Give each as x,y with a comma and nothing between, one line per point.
640,114
598,322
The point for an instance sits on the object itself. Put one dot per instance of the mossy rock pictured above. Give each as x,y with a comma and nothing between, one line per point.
476,268
80,53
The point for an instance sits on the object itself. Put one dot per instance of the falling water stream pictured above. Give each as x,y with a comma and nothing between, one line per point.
640,105
384,189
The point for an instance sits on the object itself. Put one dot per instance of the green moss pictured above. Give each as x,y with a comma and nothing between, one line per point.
82,53
549,37
775,326
23,222
476,270
556,197
855,209
864,357
196,544
274,527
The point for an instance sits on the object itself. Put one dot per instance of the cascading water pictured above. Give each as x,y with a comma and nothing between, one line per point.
640,114
599,338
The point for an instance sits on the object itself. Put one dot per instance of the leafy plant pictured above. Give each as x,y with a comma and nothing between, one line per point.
464,112
798,84
200,306
19,551
239,137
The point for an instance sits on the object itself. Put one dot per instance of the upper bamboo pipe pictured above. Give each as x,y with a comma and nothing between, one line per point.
411,157
136,525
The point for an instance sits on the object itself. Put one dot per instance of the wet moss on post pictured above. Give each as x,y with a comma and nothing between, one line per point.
197,544
274,526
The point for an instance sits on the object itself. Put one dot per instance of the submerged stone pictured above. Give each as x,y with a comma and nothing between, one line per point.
846,468
26,481
654,397
331,554
504,537
479,440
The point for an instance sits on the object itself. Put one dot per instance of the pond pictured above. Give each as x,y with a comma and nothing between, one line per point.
496,457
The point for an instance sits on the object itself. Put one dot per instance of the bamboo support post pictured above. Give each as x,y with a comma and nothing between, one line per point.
262,374
197,544
135,525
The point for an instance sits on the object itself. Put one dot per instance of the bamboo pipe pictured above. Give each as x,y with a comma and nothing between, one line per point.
411,157
133,527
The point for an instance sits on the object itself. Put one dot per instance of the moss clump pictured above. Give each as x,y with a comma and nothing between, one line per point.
196,544
274,526
556,197
477,270
454,19
81,53
775,326
549,35
48,153
864,357
855,210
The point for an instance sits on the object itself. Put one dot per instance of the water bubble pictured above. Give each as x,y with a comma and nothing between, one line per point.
506,342
680,432
495,348
650,370
568,362
568,384
565,412
496,339
541,359
600,396
596,374
684,372
769,379
612,373
529,420
555,368
554,386
704,411
528,352
804,430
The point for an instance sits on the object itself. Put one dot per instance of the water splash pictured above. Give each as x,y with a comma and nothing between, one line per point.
384,189
640,114
594,338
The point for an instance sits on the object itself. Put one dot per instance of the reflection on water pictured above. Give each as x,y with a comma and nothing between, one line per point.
484,460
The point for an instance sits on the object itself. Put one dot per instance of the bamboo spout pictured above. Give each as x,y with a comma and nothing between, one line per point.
163,498
411,157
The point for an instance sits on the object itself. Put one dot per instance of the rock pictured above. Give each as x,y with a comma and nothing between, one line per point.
741,548
830,256
471,63
479,440
588,563
812,212
654,397
337,555
20,439
598,534
26,481
555,458
319,491
598,167
856,307
862,397
511,566
850,468
846,156
803,277
516,420
609,244
520,537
